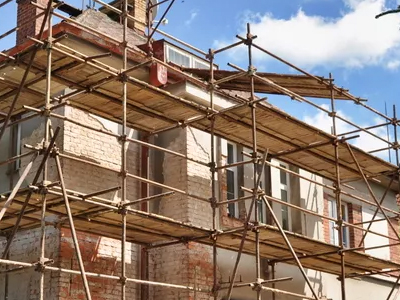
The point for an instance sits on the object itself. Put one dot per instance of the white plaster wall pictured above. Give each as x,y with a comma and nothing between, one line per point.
276,190
371,239
356,289
359,189
312,198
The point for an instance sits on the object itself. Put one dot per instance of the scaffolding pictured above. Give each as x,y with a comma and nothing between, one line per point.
267,131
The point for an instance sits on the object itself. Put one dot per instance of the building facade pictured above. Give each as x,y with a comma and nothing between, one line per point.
185,263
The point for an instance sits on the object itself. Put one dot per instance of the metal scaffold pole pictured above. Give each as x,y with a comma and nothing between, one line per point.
45,145
124,144
256,175
213,199
338,195
72,227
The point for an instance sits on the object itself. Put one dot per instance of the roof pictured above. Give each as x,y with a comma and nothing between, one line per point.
302,85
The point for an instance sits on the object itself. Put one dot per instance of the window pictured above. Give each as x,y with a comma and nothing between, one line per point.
232,180
198,64
262,210
11,145
333,232
178,57
284,195
183,58
5,153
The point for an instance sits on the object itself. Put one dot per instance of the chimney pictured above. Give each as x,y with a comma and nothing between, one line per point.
27,25
138,11
136,8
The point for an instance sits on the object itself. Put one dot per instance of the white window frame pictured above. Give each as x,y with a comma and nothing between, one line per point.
234,170
333,232
192,59
285,187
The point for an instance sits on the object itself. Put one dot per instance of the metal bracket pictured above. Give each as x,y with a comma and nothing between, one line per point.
40,266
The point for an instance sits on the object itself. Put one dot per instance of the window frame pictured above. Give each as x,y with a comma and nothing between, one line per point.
285,187
234,170
192,58
333,232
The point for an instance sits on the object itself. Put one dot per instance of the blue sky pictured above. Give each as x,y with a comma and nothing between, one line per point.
321,36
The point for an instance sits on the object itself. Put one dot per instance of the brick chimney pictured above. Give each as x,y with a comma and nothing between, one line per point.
25,19
138,12
136,8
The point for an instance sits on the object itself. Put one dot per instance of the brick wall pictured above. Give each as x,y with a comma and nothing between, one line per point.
100,255
325,222
25,19
139,13
394,250
355,216
24,284
188,263
99,148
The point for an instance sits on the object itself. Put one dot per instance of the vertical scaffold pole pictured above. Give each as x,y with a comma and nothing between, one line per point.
123,149
213,168
45,145
338,196
395,124
253,106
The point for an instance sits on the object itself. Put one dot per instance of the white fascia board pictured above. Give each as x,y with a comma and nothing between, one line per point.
191,92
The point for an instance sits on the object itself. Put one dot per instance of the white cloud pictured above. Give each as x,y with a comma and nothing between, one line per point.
192,17
365,142
393,64
355,39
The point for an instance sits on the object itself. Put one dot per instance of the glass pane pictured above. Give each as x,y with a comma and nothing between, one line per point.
230,184
332,232
261,211
231,154
344,212
200,65
5,154
178,58
283,175
230,191
285,210
332,209
345,240
284,195
285,218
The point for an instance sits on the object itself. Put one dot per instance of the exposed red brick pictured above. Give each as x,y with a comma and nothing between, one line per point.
325,222
26,22
394,250
355,216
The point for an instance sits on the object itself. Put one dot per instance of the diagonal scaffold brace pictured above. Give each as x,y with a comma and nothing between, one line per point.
46,155
72,226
